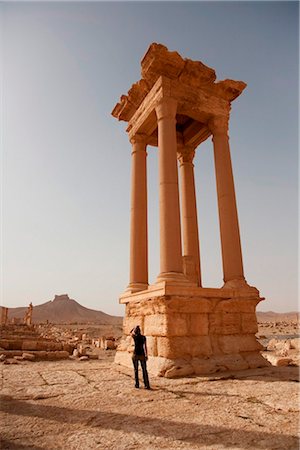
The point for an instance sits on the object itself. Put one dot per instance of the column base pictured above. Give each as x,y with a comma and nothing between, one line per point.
194,334
238,283
176,278
136,287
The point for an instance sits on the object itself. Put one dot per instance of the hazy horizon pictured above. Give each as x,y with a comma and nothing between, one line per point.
100,310
65,189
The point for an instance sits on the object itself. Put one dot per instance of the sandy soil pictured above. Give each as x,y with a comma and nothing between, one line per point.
92,405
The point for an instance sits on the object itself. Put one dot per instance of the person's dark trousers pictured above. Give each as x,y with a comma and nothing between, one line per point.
142,359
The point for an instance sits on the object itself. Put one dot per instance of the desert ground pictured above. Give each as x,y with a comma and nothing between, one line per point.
92,404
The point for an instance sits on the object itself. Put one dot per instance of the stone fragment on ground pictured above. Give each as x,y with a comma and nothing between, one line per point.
276,360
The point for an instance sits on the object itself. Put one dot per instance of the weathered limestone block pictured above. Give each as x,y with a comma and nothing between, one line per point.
238,343
41,355
239,305
198,324
10,361
230,362
30,345
276,360
178,347
48,345
11,344
124,359
197,74
156,325
131,322
68,348
152,346
180,368
249,323
190,305
159,61
255,359
28,356
203,366
125,343
271,346
158,366
145,307
57,355
177,325
224,323
166,325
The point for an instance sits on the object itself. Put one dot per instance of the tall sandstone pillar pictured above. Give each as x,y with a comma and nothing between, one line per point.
189,210
170,231
229,226
138,278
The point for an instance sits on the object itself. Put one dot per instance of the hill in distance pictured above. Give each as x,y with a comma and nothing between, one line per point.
65,310
270,316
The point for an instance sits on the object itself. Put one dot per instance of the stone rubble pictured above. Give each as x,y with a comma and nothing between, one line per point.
20,342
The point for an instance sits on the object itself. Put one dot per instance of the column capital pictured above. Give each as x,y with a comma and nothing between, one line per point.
139,138
219,125
185,154
166,108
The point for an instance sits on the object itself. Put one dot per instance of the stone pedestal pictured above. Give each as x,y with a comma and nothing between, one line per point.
193,331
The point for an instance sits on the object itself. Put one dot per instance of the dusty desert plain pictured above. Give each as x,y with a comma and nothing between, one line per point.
92,404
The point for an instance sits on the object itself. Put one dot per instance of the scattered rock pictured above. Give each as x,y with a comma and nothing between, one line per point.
28,357
278,360
2,357
10,361
272,345
84,358
295,343
110,344
92,355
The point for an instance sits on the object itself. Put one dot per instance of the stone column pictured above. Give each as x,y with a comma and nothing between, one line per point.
138,216
171,267
228,217
189,213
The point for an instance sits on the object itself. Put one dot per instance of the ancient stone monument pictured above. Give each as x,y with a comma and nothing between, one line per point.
190,329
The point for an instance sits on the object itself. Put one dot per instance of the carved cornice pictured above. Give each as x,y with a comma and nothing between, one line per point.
160,62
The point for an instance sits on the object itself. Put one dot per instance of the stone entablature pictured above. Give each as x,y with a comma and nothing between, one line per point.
192,84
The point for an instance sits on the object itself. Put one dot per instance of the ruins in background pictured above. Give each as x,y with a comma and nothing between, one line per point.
190,329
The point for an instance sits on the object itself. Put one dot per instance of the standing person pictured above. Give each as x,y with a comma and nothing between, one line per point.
140,354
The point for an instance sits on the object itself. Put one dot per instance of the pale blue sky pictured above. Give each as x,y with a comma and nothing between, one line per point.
66,160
